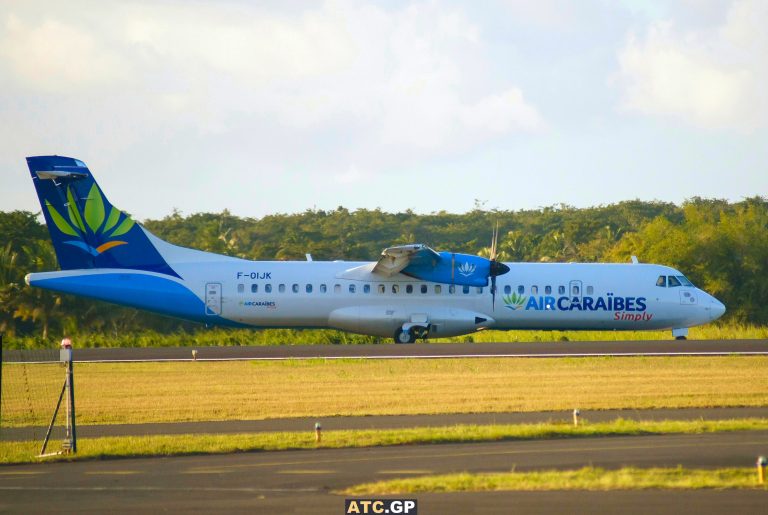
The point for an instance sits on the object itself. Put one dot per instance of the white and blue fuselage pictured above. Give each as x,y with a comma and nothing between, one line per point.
411,292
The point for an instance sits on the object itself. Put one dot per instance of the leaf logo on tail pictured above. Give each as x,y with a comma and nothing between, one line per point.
94,221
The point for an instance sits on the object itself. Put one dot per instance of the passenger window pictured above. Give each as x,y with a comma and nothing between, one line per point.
534,290
452,289
254,288
409,288
438,289
295,288
308,288
561,290
323,288
673,281
521,289
395,288
351,288
281,288
507,289
382,288
366,288
574,290
479,290
662,281
590,290
465,289
423,288
336,288
268,288
240,288
547,290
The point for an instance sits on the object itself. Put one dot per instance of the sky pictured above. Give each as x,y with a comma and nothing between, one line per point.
283,106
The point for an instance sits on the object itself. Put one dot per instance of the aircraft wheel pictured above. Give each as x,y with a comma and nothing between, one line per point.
405,336
680,338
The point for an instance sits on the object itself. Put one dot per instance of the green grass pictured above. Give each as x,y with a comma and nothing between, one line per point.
166,445
132,393
587,478
242,337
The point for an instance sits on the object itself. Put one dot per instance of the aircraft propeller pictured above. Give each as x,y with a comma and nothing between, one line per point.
497,267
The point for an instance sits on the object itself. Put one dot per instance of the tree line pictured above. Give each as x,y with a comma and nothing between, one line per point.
721,246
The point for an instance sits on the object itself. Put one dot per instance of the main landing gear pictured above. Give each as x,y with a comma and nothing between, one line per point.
410,333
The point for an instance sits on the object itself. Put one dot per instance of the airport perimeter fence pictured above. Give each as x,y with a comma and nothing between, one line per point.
32,397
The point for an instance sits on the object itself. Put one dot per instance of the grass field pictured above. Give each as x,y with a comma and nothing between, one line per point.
238,337
164,445
587,478
130,393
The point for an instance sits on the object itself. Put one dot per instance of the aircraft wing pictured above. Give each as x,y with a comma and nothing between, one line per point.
395,259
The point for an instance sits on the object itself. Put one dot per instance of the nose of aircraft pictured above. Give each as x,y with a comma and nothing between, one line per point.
716,309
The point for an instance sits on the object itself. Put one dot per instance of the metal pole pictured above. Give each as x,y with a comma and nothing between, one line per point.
71,406
53,419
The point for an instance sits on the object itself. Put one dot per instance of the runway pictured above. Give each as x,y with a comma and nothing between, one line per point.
303,481
423,351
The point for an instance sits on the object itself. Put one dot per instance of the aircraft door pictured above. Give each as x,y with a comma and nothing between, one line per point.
213,299
575,290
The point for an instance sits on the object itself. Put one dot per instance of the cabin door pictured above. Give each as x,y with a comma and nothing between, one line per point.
575,290
213,299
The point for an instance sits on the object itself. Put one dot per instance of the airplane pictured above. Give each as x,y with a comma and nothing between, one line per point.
410,292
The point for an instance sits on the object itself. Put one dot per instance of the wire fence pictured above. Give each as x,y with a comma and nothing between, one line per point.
31,383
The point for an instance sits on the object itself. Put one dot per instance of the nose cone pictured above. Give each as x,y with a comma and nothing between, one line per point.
717,309
498,268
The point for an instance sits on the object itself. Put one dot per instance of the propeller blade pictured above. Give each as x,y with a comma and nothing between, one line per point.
493,292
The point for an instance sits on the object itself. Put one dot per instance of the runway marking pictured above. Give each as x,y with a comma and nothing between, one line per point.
306,471
492,453
247,490
404,471
112,473
23,473
211,470
445,356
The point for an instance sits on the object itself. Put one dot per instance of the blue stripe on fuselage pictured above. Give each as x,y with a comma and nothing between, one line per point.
137,290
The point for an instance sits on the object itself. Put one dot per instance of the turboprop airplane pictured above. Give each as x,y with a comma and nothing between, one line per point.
411,292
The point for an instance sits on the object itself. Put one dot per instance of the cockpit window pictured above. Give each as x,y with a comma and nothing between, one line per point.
662,281
684,280
673,281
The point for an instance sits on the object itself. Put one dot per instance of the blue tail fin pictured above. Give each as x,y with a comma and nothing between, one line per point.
87,231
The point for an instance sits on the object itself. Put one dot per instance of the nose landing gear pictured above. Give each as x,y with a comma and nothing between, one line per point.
680,334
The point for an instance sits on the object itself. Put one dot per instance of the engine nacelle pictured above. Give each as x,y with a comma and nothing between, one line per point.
461,269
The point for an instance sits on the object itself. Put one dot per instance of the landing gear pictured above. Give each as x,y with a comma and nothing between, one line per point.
680,333
408,336
409,333
681,338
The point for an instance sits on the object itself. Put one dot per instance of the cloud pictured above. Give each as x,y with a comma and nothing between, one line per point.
53,56
375,84
712,78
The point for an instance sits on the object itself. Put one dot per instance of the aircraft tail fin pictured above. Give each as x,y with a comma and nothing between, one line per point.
86,229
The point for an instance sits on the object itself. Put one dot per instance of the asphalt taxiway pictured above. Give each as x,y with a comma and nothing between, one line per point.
305,481
422,351
386,422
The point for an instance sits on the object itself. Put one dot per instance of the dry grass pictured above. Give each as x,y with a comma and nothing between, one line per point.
131,393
